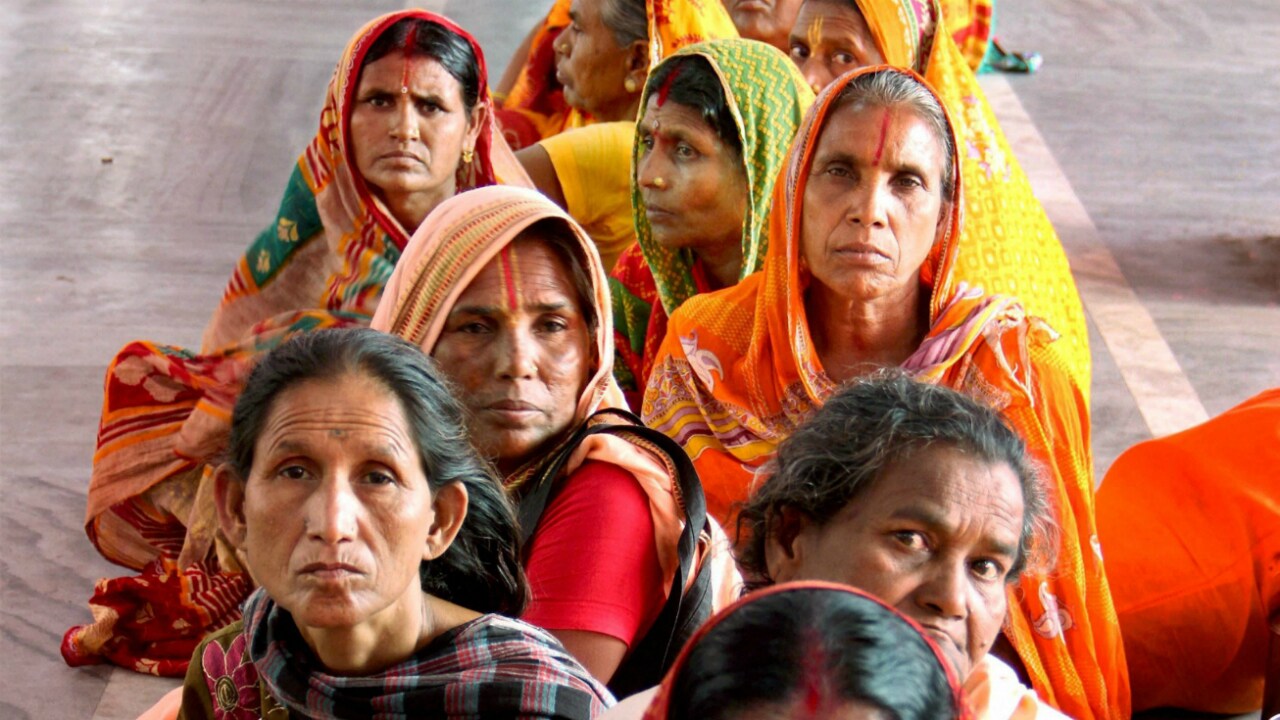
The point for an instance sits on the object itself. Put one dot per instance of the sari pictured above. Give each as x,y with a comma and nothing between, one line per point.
1009,246
969,24
767,98
492,666
535,108
1190,524
166,410
661,706
738,372
450,249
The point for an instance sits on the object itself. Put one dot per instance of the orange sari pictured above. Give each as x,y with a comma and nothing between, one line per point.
738,372
1009,246
535,107
969,25
1190,525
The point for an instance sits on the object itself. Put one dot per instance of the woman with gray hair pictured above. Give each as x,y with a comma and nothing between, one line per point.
921,497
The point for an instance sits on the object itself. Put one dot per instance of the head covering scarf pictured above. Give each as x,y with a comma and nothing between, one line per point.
538,98
490,667
660,708
969,23
450,249
167,410
1010,247
767,97
738,372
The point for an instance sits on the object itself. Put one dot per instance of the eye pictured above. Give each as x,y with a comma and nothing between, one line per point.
293,472
988,569
799,51
685,151
845,58
474,327
839,170
910,182
646,143
554,325
379,477
379,100
429,107
910,540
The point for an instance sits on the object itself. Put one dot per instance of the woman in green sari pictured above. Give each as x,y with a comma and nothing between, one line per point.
716,121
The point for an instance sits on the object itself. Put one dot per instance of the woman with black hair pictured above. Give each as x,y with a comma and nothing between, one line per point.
407,122
386,553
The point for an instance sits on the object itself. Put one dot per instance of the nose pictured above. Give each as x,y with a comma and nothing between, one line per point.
561,44
868,204
404,123
518,358
331,513
816,73
943,593
651,171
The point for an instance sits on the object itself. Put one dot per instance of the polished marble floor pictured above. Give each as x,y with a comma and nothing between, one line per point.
145,142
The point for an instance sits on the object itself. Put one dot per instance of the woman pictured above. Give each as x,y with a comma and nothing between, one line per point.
768,21
407,122
860,274
922,497
588,60
505,292
808,650
1190,524
1010,246
387,554
717,120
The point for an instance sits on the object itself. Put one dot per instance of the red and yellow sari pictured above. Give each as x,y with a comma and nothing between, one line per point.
738,372
166,410
1009,246
535,108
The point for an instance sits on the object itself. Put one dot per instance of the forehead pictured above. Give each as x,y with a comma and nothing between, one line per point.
673,116
587,12
350,398
423,69
529,268
948,482
854,129
832,21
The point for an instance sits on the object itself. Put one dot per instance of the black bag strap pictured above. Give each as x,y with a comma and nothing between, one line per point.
652,656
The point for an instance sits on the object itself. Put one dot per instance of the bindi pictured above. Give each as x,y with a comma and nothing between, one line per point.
337,433
510,276
884,133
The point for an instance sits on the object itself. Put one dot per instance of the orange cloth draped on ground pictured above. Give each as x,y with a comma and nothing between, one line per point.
1190,526
1009,246
738,372
968,22
535,107
167,410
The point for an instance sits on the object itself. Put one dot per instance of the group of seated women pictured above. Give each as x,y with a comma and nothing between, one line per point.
849,331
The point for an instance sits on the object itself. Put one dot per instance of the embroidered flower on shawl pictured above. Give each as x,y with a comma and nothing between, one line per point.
232,680
1055,620
703,362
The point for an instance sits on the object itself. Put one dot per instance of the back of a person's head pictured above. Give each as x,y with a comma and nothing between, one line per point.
812,652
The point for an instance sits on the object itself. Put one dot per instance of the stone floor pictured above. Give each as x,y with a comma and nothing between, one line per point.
146,142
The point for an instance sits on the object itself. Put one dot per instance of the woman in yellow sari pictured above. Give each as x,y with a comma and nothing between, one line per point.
869,279
588,60
1009,245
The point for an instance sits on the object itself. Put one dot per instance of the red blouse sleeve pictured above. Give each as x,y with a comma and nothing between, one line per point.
592,562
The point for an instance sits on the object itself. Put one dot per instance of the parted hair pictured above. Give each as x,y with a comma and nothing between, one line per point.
481,570
690,80
437,42
868,424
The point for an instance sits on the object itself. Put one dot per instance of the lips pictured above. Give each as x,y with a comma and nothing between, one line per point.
330,570
402,155
862,253
658,214
751,5
512,413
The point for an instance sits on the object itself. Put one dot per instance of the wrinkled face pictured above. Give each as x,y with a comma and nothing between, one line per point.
694,185
764,20
517,347
590,64
828,39
336,510
410,142
935,536
873,203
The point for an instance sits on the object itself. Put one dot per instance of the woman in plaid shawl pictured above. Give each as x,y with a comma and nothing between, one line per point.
387,553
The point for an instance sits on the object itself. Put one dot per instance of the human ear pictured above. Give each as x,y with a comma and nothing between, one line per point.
476,121
638,63
784,546
229,492
450,506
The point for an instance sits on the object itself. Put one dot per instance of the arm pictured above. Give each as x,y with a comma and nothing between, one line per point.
537,162
600,654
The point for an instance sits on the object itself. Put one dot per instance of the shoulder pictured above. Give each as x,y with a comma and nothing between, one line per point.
500,647
995,693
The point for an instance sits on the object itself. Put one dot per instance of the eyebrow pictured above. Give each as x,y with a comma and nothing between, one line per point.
490,310
935,520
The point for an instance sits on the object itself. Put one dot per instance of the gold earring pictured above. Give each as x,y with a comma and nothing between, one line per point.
468,155
630,85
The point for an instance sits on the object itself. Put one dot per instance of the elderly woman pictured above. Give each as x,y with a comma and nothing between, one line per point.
1191,527
506,293
407,122
717,119
588,60
860,275
388,556
923,498
768,21
1010,247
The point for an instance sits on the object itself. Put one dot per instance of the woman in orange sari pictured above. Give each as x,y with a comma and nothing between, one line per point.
588,61
869,280
407,122
1009,246
1190,524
